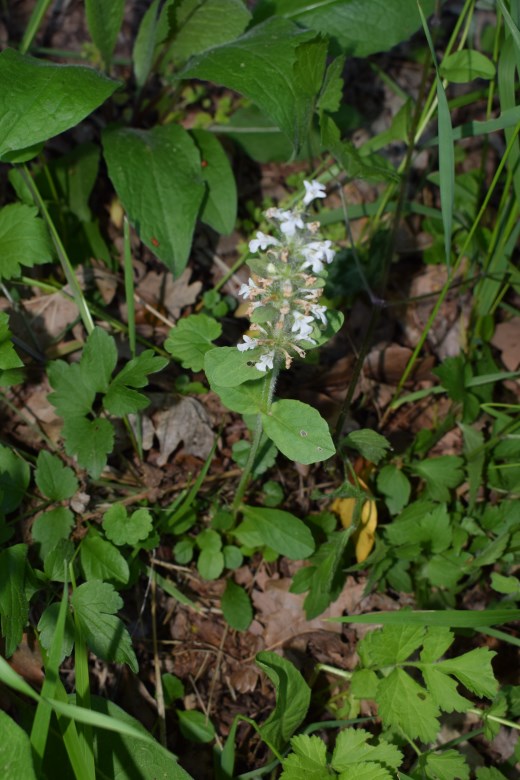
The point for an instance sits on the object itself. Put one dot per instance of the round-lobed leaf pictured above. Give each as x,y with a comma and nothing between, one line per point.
299,431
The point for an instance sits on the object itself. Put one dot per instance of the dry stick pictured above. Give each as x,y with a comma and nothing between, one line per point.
159,692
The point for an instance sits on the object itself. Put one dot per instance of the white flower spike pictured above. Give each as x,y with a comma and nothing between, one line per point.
266,361
247,290
262,241
248,343
313,190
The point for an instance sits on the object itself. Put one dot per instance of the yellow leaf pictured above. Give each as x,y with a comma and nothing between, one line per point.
365,534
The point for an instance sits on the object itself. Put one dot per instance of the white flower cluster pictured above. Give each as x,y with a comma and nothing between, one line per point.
289,286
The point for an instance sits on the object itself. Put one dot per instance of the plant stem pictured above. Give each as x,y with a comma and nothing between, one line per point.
269,388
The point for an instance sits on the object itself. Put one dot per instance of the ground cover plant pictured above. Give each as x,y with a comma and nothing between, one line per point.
259,465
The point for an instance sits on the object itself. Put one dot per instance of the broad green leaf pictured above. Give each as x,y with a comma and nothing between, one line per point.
435,643
121,398
392,645
352,747
47,628
357,26
395,486
299,431
368,771
24,239
236,607
100,560
54,480
157,176
173,687
443,690
74,389
199,26
191,338
94,604
308,760
50,527
121,528
228,367
448,765
233,558
219,208
258,135
209,540
104,23
14,480
99,359
247,398
76,174
440,474
44,99
210,564
10,363
195,726
275,528
489,774
506,585
370,444
90,441
56,563
14,607
474,671
145,42
406,706
293,697
270,66
460,67
15,751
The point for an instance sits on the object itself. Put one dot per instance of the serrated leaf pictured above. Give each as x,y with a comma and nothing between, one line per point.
200,26
269,65
247,398
293,697
474,670
392,645
15,751
100,560
54,480
443,690
10,363
308,760
370,444
448,765
368,771
435,643
395,486
14,607
490,773
406,706
157,176
352,747
440,474
466,65
299,431
104,23
275,528
44,99
94,605
47,628
236,606
14,480
219,208
56,563
121,528
331,94
24,239
74,390
506,585
90,441
50,527
121,398
228,367
191,338
99,359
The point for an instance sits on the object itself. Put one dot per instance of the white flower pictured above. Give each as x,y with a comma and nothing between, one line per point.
262,241
302,325
316,253
249,289
248,343
319,312
289,220
313,190
266,361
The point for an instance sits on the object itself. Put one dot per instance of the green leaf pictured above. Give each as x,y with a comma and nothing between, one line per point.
99,359
191,338
122,529
489,774
145,42
355,25
391,646
44,99
443,690
121,399
56,563
15,751
506,585
460,67
299,431
104,22
370,444
293,697
24,239
14,607
219,209
331,95
94,604
352,747
282,531
228,367
448,765
395,486
50,527
440,474
90,441
474,671
198,26
308,760
47,628
236,607
74,391
270,65
173,688
14,480
195,726
247,398
157,176
233,558
405,706
447,617
100,560
210,564
10,363
54,480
